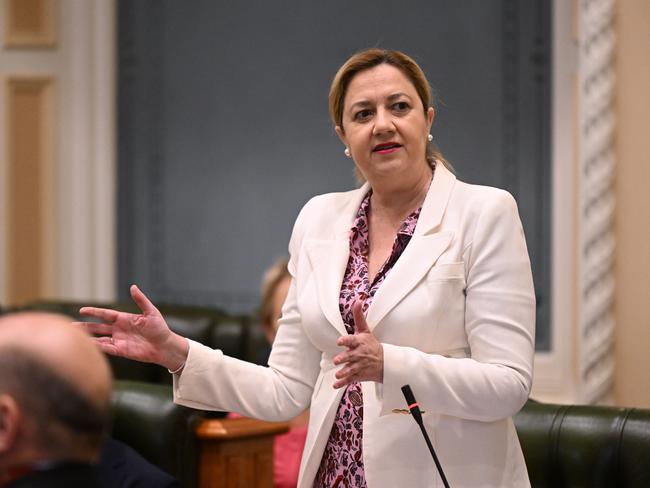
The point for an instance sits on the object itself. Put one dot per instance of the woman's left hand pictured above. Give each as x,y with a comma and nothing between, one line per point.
364,358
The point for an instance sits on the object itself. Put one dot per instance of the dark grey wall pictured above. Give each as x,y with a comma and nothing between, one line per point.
224,133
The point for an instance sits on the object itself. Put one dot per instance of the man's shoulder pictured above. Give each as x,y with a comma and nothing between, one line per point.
121,465
60,476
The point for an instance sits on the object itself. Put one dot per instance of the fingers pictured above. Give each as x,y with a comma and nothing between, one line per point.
344,377
346,371
354,365
94,327
104,314
360,324
142,301
343,357
355,371
106,345
363,358
349,341
350,373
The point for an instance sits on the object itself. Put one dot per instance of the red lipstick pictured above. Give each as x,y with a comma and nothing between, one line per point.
386,147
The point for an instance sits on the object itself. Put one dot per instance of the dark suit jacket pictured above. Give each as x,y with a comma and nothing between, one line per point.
121,466
70,475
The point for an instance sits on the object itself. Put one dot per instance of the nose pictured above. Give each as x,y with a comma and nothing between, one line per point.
383,122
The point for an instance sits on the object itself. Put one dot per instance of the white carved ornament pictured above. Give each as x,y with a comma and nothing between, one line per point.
596,159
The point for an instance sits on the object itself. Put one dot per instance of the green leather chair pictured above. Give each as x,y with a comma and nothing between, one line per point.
564,446
585,446
145,418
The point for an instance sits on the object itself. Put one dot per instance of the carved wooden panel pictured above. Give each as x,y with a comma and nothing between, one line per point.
30,213
237,453
30,23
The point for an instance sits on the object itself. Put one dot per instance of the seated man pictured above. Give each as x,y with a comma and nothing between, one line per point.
55,391
55,388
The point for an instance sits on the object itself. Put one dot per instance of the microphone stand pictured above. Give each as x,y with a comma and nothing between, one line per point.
417,416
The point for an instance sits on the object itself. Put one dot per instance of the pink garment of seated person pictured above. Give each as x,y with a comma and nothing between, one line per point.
287,453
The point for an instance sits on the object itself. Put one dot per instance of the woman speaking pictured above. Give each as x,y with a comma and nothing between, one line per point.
414,278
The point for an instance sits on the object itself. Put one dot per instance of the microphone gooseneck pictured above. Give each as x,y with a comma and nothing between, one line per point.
412,403
417,416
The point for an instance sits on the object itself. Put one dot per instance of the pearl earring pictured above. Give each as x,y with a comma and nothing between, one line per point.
347,152
430,137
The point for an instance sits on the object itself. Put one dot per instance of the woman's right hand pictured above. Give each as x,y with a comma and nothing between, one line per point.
144,337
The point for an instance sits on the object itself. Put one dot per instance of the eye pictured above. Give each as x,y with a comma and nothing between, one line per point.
362,115
401,107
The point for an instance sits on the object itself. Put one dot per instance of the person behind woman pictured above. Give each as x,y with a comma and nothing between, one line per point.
414,278
287,448
275,287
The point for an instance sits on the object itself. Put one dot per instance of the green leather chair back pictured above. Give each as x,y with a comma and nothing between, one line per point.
145,418
585,446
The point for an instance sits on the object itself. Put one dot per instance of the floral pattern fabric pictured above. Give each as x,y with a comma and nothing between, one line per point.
342,462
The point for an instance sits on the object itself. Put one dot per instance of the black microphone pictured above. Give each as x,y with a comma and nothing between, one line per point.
417,416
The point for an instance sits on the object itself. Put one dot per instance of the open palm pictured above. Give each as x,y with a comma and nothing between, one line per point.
143,337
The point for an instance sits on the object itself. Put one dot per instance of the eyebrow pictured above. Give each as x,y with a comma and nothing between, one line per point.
390,98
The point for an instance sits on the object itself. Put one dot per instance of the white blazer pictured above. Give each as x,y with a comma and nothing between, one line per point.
455,315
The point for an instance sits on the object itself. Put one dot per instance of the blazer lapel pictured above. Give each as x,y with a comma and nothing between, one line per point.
329,255
329,258
422,251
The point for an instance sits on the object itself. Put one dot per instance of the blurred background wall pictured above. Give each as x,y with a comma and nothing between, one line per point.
224,133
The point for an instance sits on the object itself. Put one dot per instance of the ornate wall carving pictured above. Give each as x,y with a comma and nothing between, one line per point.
596,121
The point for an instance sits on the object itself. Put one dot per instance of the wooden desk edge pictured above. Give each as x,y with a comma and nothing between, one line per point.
227,429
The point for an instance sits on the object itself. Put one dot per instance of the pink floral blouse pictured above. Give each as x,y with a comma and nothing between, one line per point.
342,462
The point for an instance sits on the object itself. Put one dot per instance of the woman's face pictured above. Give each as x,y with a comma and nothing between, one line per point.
385,126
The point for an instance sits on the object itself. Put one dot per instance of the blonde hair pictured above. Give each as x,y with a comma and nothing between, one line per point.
272,278
370,58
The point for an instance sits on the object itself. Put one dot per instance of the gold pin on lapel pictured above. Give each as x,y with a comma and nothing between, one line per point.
405,411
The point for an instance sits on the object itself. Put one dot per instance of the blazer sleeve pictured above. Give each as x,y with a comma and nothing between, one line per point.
495,380
279,392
